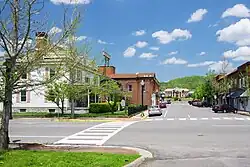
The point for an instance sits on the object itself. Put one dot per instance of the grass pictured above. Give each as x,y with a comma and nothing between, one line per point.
120,114
22,158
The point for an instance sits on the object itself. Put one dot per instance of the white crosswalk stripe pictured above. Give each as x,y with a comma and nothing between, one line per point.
96,135
199,119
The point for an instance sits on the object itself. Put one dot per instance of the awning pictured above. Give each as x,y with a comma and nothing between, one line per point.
245,94
236,93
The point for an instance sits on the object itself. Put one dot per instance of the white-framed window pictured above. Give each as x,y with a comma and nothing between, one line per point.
23,95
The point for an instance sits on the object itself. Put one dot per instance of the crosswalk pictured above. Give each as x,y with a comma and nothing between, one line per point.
96,135
198,119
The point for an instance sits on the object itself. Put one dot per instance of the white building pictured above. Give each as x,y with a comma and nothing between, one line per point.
176,92
32,99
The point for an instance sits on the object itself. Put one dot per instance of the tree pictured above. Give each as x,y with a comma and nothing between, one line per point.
57,93
18,23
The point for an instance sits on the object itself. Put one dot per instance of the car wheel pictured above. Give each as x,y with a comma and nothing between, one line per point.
215,111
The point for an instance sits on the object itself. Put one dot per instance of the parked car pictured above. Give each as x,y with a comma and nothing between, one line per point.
224,108
163,105
154,110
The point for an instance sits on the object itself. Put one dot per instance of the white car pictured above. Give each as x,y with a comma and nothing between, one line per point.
154,110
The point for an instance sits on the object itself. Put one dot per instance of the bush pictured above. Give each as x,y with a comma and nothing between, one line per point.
99,108
175,98
133,109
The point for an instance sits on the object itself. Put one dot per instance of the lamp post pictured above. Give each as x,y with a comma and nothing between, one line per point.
142,89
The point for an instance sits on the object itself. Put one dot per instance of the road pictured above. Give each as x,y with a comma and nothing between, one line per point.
189,136
183,136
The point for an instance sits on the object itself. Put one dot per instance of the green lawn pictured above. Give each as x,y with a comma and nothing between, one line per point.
120,114
21,158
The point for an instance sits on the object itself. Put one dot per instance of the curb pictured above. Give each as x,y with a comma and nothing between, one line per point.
79,120
136,163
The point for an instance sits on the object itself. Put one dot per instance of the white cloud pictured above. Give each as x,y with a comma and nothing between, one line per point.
202,53
238,10
104,42
70,2
205,63
221,67
241,54
55,30
139,33
173,53
154,48
174,60
197,15
148,55
129,52
80,38
165,37
238,33
141,44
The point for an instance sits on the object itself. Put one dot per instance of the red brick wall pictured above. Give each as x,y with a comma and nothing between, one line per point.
110,70
150,87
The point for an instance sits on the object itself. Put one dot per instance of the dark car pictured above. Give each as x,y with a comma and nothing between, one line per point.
224,107
163,105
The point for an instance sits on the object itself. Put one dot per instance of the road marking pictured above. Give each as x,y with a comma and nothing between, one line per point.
159,119
182,119
204,118
240,119
170,119
38,136
215,118
193,119
248,119
96,135
227,118
166,112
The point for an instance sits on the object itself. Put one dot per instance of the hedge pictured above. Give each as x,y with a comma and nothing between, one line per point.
133,109
99,108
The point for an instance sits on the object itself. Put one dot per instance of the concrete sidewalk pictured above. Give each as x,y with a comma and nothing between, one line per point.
246,113
141,115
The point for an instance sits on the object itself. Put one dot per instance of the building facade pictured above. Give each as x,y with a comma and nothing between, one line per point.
234,88
176,92
32,99
133,83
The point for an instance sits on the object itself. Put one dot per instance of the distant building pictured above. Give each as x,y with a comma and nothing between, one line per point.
176,92
132,83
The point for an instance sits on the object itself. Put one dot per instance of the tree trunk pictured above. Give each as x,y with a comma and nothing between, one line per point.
62,101
72,108
4,130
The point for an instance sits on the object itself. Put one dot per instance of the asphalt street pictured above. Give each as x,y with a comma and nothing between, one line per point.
44,131
188,136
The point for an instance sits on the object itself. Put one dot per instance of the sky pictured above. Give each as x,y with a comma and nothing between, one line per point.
172,38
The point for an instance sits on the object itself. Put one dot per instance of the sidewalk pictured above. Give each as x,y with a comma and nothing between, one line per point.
246,113
139,116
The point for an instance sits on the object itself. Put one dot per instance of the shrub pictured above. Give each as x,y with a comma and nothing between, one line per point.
175,98
99,108
133,109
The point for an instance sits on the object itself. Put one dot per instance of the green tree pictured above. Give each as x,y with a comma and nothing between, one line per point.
57,92
19,20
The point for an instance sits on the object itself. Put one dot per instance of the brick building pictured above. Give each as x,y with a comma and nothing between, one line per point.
132,83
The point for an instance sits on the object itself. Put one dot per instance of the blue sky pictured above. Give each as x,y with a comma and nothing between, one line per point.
183,45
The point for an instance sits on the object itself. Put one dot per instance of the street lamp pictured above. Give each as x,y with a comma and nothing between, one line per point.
142,89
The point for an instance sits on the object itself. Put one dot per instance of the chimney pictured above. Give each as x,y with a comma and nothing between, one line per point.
41,39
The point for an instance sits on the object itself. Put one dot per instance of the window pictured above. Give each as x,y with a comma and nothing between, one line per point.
87,79
243,82
24,76
144,88
52,72
52,110
22,110
130,88
23,95
79,76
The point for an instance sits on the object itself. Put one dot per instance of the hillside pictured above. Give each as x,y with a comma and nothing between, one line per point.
190,82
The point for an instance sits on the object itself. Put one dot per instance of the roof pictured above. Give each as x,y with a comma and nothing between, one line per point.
131,76
134,76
